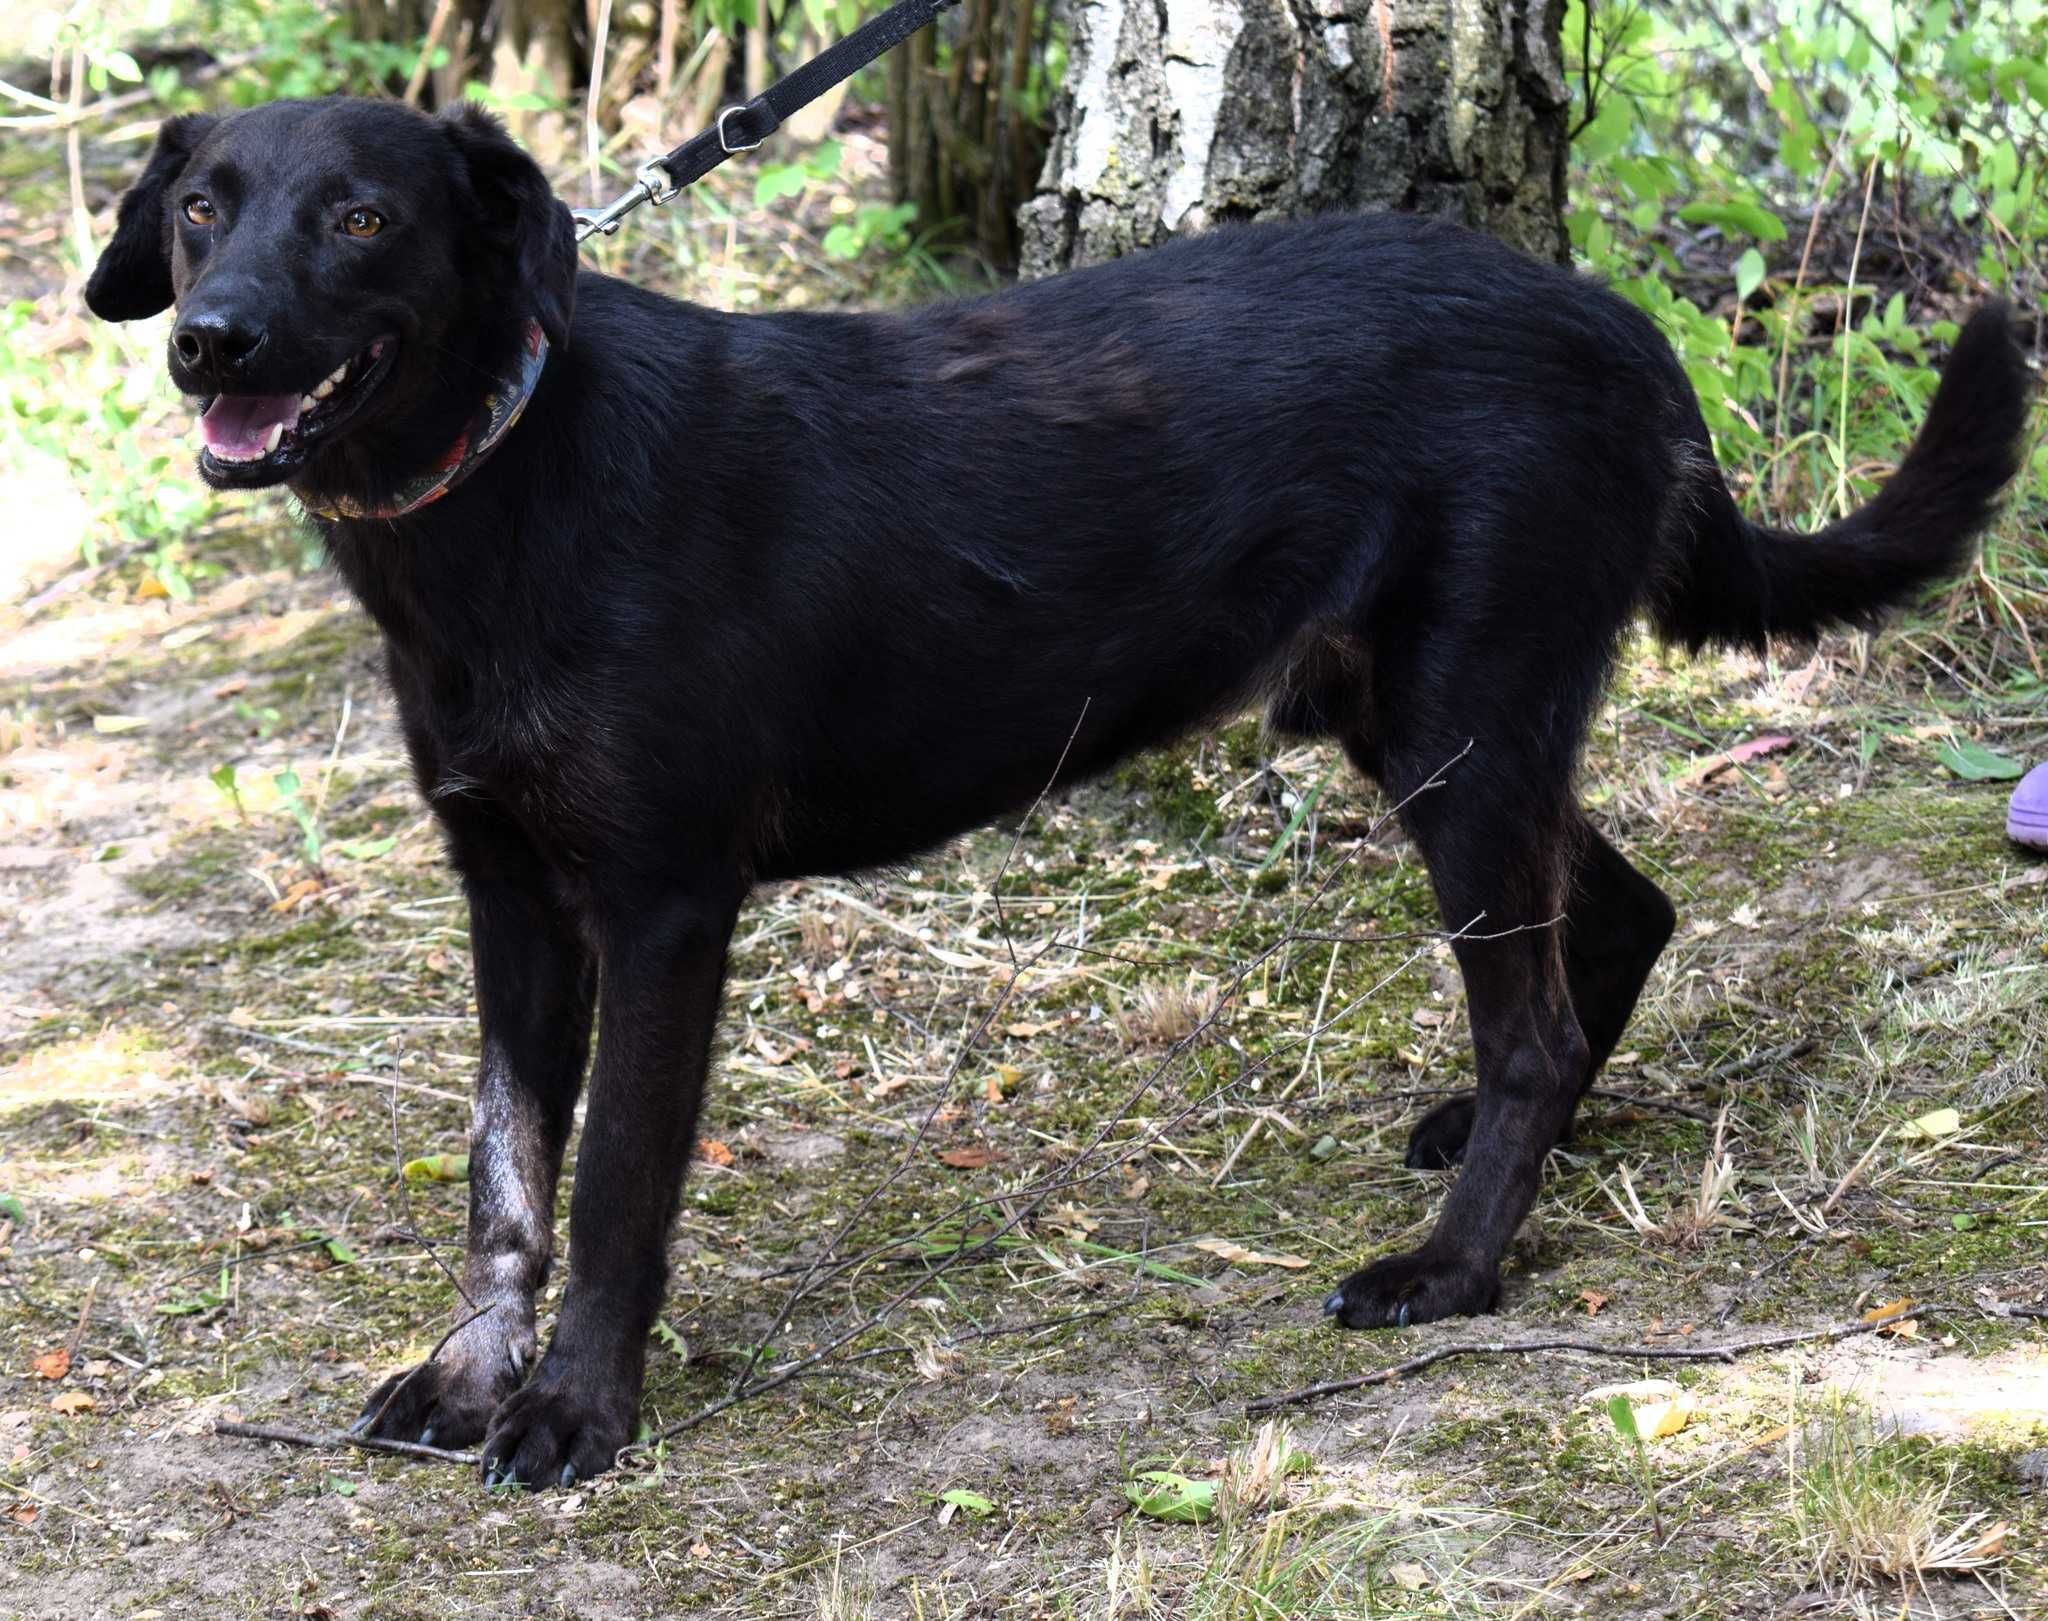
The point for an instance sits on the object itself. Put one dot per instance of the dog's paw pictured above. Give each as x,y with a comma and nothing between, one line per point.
556,1432
1438,1140
1414,1288
444,1403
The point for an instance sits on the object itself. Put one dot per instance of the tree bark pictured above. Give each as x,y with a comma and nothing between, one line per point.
1180,113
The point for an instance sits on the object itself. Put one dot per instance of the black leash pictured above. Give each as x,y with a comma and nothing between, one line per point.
743,127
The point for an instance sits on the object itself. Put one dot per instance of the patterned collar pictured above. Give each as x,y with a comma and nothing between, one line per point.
493,420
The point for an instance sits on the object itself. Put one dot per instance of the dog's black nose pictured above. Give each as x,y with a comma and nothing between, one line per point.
215,343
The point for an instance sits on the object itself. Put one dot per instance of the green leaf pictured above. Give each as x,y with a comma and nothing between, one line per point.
776,181
841,242
10,1207
1973,762
1963,1221
1301,814
339,1252
973,1502
1736,219
437,1168
1623,1417
1749,273
1165,1495
365,849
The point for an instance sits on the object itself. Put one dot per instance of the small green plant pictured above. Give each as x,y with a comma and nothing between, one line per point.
817,167
873,225
1623,1416
284,790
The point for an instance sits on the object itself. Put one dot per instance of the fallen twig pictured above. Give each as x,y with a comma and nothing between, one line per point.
1665,1353
1641,1102
1762,1060
342,1441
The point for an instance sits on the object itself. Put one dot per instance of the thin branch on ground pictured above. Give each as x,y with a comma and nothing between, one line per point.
1612,1096
1663,1353
342,1441
1766,1059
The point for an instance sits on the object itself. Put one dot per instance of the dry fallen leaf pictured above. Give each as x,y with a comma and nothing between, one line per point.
972,1159
1655,1420
1906,1328
714,1152
300,894
1594,1300
1713,765
779,1056
252,1108
52,1364
1238,1255
1409,1576
23,1513
72,1401
1939,1123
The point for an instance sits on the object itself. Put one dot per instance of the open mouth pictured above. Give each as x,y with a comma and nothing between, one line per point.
251,438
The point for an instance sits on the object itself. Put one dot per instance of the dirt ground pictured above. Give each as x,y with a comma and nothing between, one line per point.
231,1009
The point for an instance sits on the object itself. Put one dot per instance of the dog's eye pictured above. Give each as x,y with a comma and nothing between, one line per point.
362,222
199,211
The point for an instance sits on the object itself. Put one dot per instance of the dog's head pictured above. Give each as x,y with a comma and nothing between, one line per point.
341,270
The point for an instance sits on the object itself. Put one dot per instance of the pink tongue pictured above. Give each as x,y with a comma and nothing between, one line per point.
237,426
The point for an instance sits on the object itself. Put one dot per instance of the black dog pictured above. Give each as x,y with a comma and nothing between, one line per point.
756,597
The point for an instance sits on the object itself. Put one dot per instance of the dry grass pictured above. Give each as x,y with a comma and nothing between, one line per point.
1713,1204
1165,1012
1865,1508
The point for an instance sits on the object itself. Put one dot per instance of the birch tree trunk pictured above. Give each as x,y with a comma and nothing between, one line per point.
1180,113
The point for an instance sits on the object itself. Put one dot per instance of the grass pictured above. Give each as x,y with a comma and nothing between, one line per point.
1868,1507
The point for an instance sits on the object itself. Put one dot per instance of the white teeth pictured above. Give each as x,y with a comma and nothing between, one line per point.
271,442
305,403
331,381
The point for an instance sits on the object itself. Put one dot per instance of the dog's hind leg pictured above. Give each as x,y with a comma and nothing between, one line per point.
1617,923
1493,715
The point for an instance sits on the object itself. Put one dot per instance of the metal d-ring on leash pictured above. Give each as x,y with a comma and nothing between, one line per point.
743,127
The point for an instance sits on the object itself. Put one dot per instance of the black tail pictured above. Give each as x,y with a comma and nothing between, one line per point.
1743,582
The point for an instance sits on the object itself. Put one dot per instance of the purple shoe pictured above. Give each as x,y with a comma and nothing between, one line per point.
2027,822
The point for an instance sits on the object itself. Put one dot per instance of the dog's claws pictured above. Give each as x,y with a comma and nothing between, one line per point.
1401,1321
427,1436
1334,1304
568,1474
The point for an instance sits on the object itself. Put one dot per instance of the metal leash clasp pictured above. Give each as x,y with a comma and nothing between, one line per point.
651,184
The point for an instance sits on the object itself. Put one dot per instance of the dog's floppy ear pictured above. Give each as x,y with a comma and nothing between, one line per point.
133,277
523,221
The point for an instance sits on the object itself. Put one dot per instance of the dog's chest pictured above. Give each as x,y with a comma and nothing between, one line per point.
537,749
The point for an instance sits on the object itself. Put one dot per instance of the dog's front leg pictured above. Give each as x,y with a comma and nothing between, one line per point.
663,963
535,984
